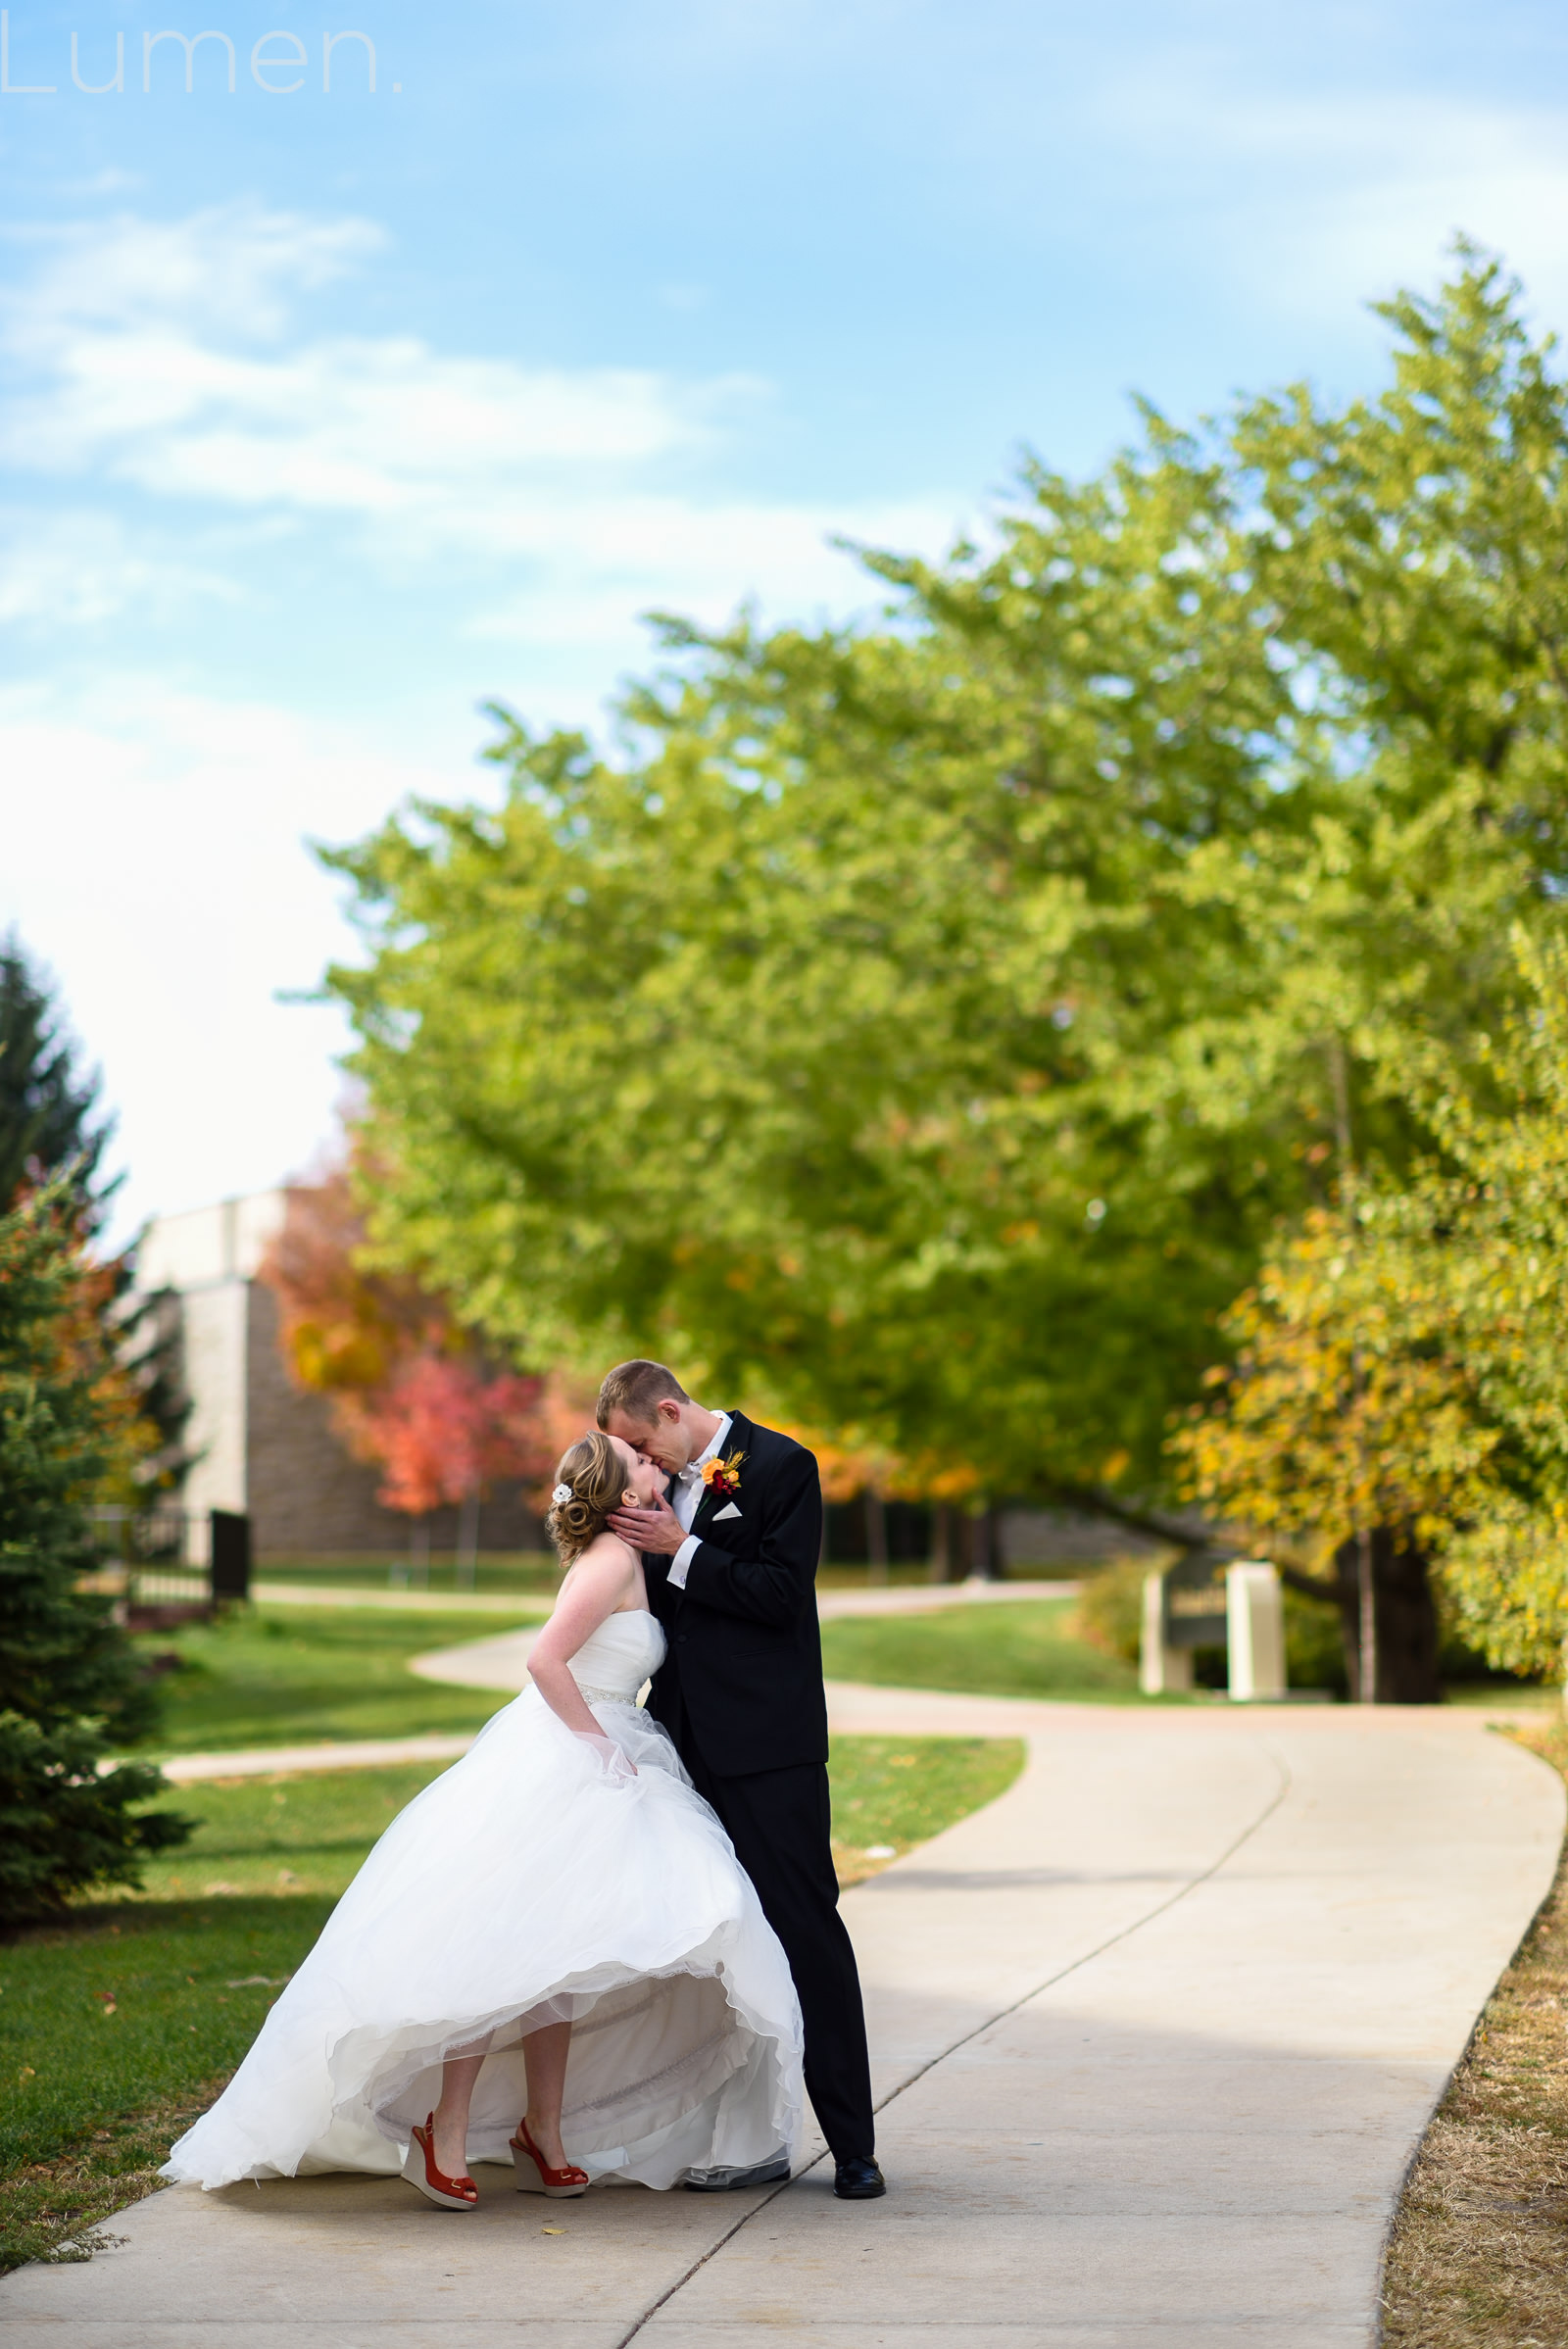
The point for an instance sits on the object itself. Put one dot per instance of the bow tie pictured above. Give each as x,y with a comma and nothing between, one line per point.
690,1474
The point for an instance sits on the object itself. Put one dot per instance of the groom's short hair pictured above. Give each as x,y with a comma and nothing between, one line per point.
636,1389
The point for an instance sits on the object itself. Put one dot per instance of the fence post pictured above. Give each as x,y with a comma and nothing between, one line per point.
228,1570
876,1536
1255,1631
1164,1668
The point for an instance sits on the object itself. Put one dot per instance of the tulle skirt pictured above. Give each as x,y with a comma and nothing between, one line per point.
527,1885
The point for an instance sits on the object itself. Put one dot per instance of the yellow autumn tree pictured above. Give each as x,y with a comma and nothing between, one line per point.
1400,1382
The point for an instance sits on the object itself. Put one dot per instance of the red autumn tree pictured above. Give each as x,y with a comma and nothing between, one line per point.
410,1387
443,1431
344,1330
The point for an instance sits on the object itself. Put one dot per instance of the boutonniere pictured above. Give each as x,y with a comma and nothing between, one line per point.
723,1476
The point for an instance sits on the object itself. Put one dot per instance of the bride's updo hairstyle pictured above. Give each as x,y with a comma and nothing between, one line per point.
594,1476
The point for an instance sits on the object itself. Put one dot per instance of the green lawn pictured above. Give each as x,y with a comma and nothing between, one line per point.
118,2027
287,1836
96,2092
288,1676
894,1792
292,1835
285,1676
1005,1649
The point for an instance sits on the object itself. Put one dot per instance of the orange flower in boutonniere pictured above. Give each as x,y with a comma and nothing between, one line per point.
723,1476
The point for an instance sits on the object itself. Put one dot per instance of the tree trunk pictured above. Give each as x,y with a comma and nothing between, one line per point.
985,1544
940,1566
1405,1617
467,1558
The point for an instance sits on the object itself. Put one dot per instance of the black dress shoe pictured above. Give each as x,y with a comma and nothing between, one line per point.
859,2179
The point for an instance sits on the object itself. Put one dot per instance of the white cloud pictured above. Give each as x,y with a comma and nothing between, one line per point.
1497,179
175,413
81,568
353,424
156,857
1363,190
158,354
601,561
234,266
167,358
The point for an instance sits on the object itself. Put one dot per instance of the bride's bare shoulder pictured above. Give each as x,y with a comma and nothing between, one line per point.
606,1560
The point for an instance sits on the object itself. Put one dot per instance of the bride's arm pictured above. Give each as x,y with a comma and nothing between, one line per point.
600,1580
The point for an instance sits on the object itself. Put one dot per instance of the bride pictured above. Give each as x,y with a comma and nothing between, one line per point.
558,1927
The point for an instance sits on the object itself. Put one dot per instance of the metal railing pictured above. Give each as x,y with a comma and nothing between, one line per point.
169,1560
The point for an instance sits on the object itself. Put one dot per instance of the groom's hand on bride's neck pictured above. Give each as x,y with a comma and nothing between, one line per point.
657,1527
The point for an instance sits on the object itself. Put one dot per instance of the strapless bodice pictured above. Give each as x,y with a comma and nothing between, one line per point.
613,1662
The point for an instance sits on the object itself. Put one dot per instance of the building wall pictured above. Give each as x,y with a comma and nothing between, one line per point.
261,1443
307,1492
213,1340
309,1496
208,1257
207,1246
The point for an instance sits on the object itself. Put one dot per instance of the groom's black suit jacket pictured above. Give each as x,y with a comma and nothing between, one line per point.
743,1678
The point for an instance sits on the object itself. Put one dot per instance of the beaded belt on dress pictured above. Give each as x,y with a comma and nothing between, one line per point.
604,1696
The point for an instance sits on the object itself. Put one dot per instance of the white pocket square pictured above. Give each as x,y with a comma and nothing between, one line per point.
729,1510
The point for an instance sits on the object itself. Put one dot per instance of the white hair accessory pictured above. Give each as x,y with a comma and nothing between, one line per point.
561,1494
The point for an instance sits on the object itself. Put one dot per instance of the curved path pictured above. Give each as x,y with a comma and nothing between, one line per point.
1154,2037
500,1662
896,1598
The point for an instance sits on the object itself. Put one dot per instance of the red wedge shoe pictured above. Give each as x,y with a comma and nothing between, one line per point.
418,2168
562,2186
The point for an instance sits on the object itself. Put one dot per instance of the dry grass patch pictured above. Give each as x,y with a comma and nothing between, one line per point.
54,2210
1479,2254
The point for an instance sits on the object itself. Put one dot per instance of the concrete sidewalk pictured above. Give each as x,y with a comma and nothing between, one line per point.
399,1601
1154,2037
271,1761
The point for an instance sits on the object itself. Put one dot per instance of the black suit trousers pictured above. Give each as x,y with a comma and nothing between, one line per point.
779,1821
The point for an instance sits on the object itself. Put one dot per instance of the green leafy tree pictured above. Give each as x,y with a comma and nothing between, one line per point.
924,1027
69,1685
1480,1245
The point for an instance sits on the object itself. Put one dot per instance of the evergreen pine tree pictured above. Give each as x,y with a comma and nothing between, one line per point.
69,1686
48,1130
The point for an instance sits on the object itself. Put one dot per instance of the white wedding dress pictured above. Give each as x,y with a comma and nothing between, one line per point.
529,1884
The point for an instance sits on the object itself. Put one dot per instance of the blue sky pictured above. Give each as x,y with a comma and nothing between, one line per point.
326,416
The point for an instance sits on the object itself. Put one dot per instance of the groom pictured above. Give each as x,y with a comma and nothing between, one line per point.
730,1560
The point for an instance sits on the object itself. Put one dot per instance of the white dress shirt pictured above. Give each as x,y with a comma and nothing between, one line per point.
684,1500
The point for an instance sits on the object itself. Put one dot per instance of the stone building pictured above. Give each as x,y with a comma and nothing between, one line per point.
258,1444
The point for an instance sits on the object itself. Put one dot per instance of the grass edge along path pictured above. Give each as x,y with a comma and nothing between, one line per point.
1029,1648
122,2024
1478,2252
